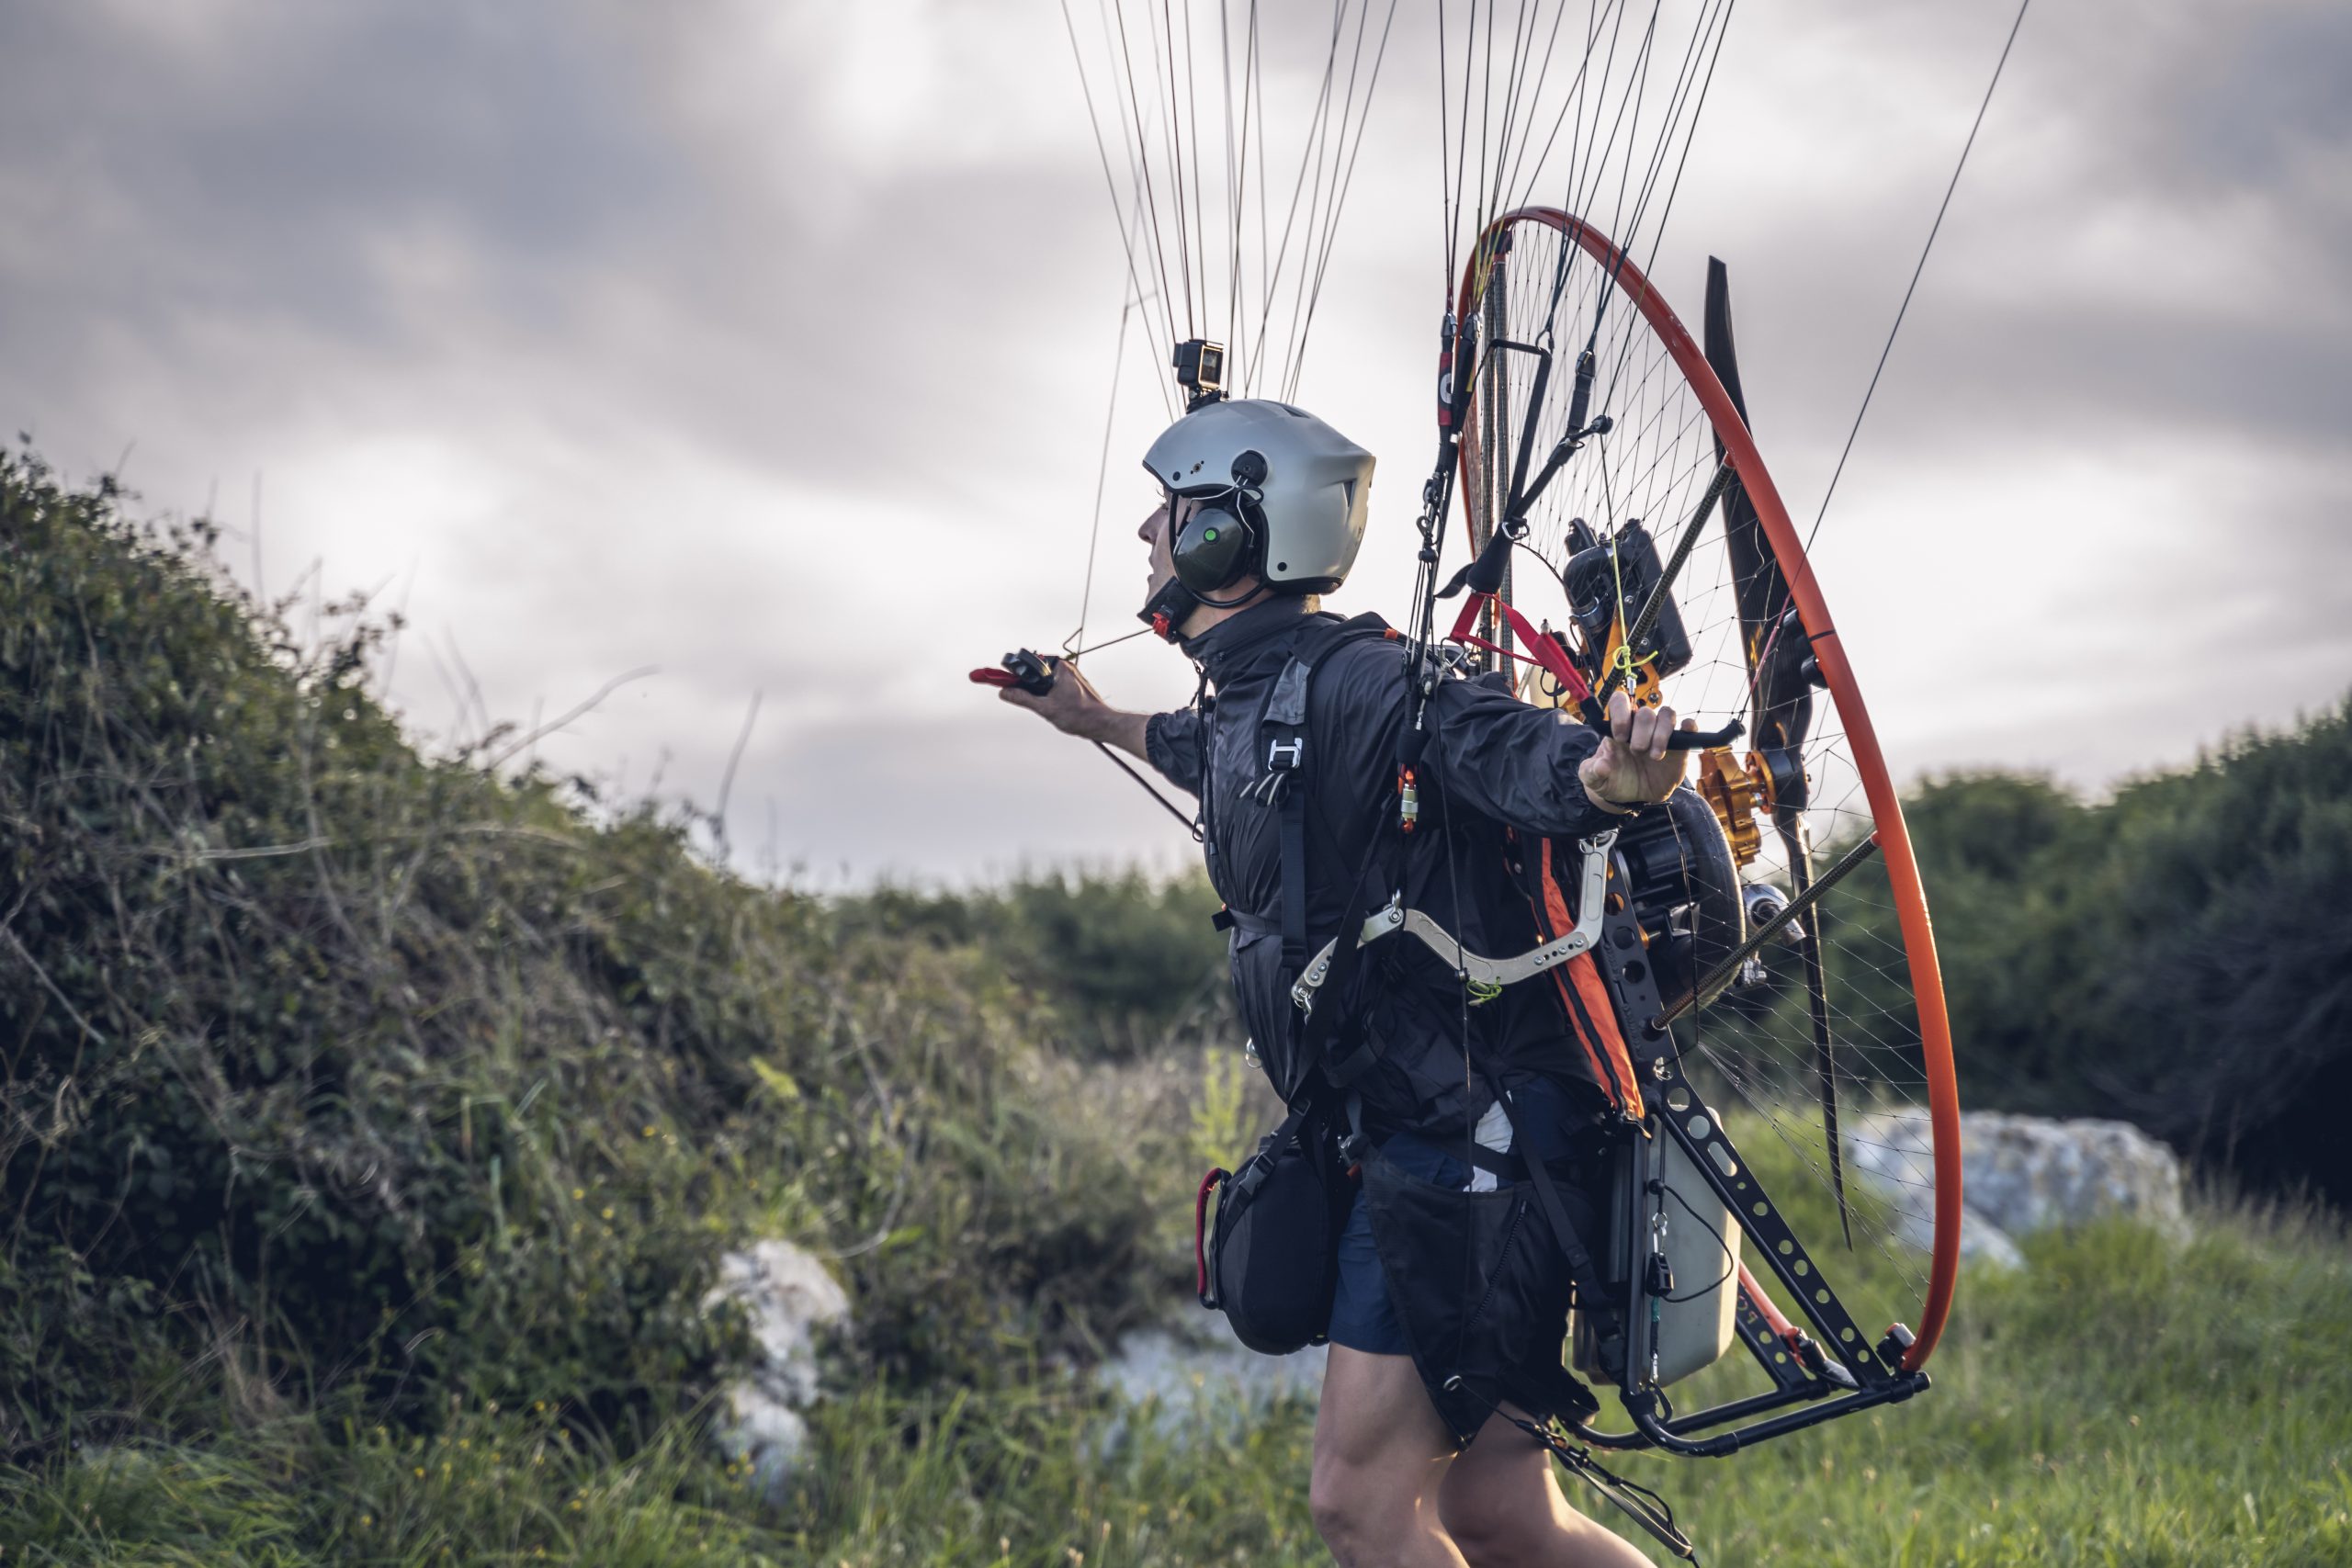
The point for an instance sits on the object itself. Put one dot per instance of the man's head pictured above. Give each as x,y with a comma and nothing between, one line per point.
1174,609
1262,498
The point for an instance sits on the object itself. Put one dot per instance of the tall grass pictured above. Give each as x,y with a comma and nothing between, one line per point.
2122,1402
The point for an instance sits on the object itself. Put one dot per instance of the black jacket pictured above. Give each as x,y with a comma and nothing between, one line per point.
1492,763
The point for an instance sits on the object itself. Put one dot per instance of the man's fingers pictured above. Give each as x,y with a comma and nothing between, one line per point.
1647,733
1661,731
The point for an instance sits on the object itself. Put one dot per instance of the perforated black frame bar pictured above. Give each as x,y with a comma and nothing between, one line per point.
1676,1107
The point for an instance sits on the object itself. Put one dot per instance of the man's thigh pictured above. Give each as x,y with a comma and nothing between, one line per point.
1374,1412
1380,1450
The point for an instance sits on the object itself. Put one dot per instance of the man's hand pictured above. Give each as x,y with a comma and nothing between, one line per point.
1632,766
1073,707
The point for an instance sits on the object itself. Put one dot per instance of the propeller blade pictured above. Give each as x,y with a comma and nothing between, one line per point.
1782,698
1781,702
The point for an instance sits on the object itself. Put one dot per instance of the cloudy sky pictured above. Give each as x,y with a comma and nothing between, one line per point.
766,348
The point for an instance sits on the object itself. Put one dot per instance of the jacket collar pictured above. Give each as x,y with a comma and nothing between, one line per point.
1230,647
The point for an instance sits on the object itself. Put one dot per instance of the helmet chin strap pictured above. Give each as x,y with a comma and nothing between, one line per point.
1168,609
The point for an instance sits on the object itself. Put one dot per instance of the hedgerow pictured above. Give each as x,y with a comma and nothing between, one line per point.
338,1071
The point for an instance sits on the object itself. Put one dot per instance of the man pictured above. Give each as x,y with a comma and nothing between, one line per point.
1264,511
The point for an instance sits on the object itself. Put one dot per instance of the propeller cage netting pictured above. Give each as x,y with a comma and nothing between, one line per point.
1789,797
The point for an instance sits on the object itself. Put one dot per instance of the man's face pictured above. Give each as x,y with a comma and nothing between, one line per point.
1159,532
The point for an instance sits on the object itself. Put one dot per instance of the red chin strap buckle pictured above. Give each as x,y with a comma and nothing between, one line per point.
1168,607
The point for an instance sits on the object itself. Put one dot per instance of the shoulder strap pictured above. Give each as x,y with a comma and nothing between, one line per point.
1283,733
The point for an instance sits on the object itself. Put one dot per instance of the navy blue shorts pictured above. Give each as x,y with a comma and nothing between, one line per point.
1362,1316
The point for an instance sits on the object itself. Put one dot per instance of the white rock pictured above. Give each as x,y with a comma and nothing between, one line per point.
1196,1375
1206,1365
1892,1152
1981,1241
786,1295
2029,1173
2019,1175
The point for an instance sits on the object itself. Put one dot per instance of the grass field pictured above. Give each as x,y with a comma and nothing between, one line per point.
2123,1402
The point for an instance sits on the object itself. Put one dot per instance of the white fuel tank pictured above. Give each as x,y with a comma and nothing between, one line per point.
1683,1218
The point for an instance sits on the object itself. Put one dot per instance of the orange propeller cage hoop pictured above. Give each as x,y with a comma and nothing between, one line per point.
1893,839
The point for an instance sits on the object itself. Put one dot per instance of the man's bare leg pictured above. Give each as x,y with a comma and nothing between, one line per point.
1501,1504
1381,1455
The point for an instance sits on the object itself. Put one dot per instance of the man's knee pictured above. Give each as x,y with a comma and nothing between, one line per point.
1354,1503
1380,1454
1503,1509
1495,1525
1499,1504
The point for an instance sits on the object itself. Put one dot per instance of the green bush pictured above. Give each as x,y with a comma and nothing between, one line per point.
2180,956
334,1069
1128,963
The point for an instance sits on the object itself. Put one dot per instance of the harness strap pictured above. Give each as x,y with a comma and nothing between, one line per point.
1592,1296
1499,1164
1355,1143
1338,970
1294,853
1259,1165
1286,782
1286,785
1477,969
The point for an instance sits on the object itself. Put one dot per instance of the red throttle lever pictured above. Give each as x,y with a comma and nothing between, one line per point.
1033,673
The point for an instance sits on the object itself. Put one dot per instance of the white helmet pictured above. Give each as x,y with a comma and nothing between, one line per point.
1287,494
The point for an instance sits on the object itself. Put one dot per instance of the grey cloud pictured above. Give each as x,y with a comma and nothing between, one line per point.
2237,106
303,172
268,170
727,342
2067,371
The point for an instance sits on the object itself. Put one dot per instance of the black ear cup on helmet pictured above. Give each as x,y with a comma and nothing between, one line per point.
1212,548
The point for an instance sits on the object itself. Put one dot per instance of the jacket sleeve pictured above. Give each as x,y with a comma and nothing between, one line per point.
1511,761
1172,744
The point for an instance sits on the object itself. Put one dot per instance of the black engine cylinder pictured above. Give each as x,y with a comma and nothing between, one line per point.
1685,890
